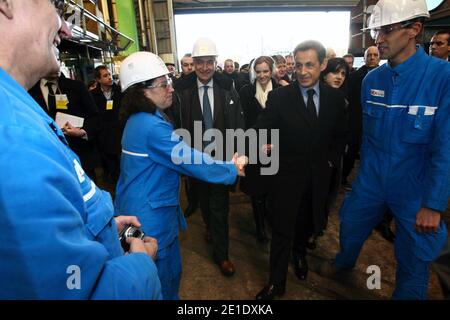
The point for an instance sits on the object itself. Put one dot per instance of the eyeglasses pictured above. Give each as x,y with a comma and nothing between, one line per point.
386,30
60,6
438,43
164,85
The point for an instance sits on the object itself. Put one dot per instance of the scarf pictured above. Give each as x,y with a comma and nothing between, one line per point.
261,95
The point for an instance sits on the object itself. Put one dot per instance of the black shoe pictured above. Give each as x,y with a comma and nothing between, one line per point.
270,292
301,267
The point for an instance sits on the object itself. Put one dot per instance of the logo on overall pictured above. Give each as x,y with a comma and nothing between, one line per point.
377,93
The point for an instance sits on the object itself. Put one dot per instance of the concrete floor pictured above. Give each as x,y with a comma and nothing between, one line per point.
202,280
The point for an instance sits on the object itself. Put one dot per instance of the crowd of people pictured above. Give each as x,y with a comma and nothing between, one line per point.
63,230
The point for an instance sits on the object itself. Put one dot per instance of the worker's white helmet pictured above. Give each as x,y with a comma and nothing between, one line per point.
204,47
387,12
140,67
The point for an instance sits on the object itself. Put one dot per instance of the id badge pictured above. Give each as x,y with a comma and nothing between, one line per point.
109,105
61,101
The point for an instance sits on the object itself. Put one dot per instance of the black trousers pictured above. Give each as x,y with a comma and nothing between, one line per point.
214,204
111,165
283,242
191,193
350,156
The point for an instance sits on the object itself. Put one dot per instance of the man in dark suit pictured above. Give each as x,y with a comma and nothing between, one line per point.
372,60
208,99
107,97
59,94
312,128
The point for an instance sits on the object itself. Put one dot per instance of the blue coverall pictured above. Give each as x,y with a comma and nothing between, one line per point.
153,157
405,166
59,239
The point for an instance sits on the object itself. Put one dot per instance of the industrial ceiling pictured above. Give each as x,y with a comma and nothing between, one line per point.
190,6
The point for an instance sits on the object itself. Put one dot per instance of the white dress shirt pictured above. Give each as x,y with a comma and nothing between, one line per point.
44,89
201,90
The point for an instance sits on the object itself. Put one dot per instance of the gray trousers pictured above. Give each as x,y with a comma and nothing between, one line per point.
214,204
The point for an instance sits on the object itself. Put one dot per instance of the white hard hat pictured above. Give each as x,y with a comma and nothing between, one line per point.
204,47
139,67
387,12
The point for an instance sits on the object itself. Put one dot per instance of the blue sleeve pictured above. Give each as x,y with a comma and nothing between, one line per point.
167,149
46,252
121,279
437,180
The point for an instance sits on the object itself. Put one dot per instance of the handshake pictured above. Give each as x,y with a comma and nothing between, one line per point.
240,162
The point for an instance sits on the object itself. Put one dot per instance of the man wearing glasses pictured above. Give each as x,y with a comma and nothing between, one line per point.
440,45
60,238
405,153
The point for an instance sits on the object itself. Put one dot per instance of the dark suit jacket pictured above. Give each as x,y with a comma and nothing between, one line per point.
81,105
305,151
109,139
186,108
354,100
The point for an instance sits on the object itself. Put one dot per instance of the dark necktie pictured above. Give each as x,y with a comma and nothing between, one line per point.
51,100
311,106
207,114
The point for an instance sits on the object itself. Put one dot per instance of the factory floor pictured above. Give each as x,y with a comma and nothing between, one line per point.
202,280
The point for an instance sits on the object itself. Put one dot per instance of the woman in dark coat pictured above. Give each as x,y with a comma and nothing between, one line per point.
253,100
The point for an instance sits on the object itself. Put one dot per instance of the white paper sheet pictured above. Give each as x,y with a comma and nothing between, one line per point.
62,118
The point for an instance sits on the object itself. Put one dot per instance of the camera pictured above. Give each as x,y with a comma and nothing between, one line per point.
129,231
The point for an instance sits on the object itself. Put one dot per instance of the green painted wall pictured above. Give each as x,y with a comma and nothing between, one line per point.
127,23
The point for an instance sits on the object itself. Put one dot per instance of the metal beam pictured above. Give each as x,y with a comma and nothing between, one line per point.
194,6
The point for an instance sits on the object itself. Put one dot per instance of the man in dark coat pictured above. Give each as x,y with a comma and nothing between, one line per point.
107,97
59,94
312,128
208,98
372,60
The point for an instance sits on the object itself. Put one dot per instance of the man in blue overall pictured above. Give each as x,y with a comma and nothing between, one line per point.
59,238
405,154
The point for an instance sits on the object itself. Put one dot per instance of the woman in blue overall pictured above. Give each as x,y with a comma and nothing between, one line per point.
153,158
